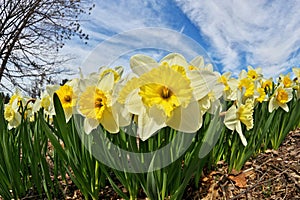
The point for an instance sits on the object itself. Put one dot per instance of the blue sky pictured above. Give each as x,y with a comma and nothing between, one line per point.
234,33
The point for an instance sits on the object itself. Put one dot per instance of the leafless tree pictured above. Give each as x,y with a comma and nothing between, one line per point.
31,34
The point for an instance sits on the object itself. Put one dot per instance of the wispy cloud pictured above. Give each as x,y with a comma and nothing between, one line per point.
112,17
156,42
258,32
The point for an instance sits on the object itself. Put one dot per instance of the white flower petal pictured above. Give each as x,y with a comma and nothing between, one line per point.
231,120
198,62
272,104
187,120
89,125
147,126
175,59
240,132
140,64
124,117
284,107
107,82
202,82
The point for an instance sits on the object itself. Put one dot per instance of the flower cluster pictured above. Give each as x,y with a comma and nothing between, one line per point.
172,92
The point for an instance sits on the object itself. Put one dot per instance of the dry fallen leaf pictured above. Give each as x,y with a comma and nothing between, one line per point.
239,180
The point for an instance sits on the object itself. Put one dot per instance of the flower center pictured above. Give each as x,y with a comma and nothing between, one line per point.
166,93
287,82
159,95
282,96
252,74
93,108
98,103
67,98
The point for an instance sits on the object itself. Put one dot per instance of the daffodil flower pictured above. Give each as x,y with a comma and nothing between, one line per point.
68,98
247,86
267,84
254,74
280,98
238,114
206,88
11,114
230,86
262,96
45,102
163,95
296,80
97,105
285,80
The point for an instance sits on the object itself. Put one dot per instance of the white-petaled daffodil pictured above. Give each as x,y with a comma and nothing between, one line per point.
11,114
164,94
280,98
97,105
296,72
237,114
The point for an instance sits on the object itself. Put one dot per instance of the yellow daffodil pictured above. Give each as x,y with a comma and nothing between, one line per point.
267,84
236,115
247,86
19,97
280,98
162,95
285,81
230,86
11,114
224,79
68,98
262,96
254,74
45,102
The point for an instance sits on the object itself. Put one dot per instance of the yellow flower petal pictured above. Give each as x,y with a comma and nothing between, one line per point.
245,113
247,85
109,121
92,103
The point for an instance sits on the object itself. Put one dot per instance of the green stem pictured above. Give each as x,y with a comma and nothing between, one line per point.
164,187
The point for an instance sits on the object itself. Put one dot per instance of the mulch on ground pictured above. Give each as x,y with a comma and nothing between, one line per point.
270,175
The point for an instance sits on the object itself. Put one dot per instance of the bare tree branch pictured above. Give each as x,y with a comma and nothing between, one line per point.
31,34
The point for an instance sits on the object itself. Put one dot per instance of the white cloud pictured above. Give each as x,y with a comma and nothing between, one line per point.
264,33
